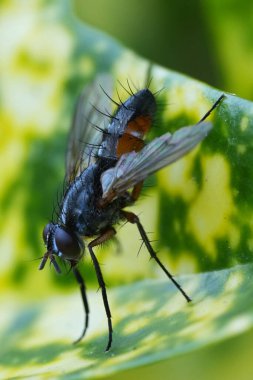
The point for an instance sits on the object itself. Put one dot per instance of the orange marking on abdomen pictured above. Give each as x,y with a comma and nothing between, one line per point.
132,139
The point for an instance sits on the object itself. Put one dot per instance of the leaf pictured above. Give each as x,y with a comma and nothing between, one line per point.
200,207
152,323
200,210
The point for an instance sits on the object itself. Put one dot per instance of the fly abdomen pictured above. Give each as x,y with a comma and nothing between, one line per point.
132,138
129,126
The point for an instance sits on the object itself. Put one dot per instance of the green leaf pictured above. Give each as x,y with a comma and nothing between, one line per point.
151,320
200,207
200,210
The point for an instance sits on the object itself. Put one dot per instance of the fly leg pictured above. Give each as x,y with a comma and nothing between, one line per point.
136,191
99,240
80,281
212,108
132,198
132,218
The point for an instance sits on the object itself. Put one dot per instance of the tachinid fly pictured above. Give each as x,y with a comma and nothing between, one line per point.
105,170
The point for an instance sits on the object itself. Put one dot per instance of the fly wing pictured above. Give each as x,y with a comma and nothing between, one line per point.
88,125
134,167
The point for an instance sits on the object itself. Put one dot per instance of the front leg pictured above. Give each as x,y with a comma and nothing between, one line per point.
108,234
80,281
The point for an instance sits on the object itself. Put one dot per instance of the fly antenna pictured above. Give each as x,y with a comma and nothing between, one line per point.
56,266
43,261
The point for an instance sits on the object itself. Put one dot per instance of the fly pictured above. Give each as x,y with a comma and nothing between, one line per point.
106,175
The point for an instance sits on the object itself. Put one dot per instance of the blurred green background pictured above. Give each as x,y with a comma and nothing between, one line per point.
210,40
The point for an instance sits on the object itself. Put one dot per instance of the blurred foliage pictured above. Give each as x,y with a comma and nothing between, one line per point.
151,323
199,209
211,40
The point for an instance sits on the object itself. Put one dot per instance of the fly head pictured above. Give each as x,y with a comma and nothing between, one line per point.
61,242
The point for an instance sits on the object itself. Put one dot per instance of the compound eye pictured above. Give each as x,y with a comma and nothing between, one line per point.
68,244
46,232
